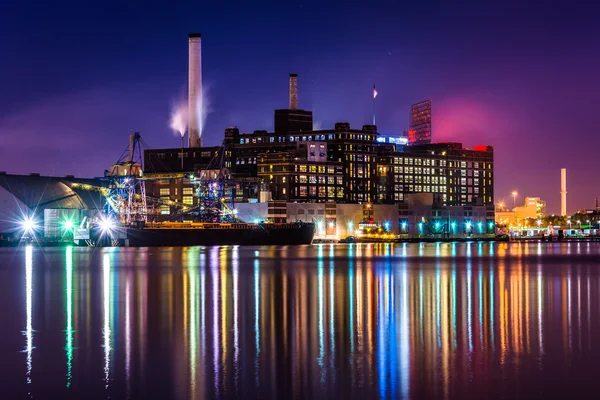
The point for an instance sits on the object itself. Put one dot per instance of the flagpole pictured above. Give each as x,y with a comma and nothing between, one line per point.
374,104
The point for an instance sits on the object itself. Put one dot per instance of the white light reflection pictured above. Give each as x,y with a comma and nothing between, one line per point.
257,318
203,300
106,329
589,305
28,304
215,311
128,334
454,304
321,318
332,315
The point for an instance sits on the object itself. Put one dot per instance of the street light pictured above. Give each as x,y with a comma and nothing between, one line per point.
514,195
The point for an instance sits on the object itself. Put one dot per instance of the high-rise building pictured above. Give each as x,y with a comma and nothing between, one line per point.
454,175
420,123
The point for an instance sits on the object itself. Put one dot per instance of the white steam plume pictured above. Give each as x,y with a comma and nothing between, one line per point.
179,117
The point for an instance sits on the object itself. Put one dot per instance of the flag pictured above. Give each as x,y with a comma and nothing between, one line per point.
374,92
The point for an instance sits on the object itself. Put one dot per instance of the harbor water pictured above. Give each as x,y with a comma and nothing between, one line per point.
324,321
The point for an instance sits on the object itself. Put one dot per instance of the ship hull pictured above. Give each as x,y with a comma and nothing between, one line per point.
213,235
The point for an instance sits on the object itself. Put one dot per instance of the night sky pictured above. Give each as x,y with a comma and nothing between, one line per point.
78,77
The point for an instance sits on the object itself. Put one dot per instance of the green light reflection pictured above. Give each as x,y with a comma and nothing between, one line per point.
69,312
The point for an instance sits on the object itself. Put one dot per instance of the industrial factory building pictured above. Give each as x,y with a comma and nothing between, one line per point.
296,163
271,173
47,200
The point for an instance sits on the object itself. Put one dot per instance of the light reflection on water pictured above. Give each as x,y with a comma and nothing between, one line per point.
441,320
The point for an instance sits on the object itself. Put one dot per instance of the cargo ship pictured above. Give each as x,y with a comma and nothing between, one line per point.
196,234
209,234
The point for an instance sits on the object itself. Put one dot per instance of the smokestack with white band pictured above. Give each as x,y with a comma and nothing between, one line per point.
563,192
293,91
194,90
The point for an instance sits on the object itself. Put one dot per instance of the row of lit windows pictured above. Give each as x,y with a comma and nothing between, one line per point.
440,180
419,161
315,169
330,180
321,191
435,189
282,139
167,191
470,182
436,171
360,158
441,163
420,179
420,188
469,198
360,197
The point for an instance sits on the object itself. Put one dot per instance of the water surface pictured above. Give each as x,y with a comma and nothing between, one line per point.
324,321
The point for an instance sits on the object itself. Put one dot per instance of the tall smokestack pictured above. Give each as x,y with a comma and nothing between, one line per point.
563,192
293,91
194,90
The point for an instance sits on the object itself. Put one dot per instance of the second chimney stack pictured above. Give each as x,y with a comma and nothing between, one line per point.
293,91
